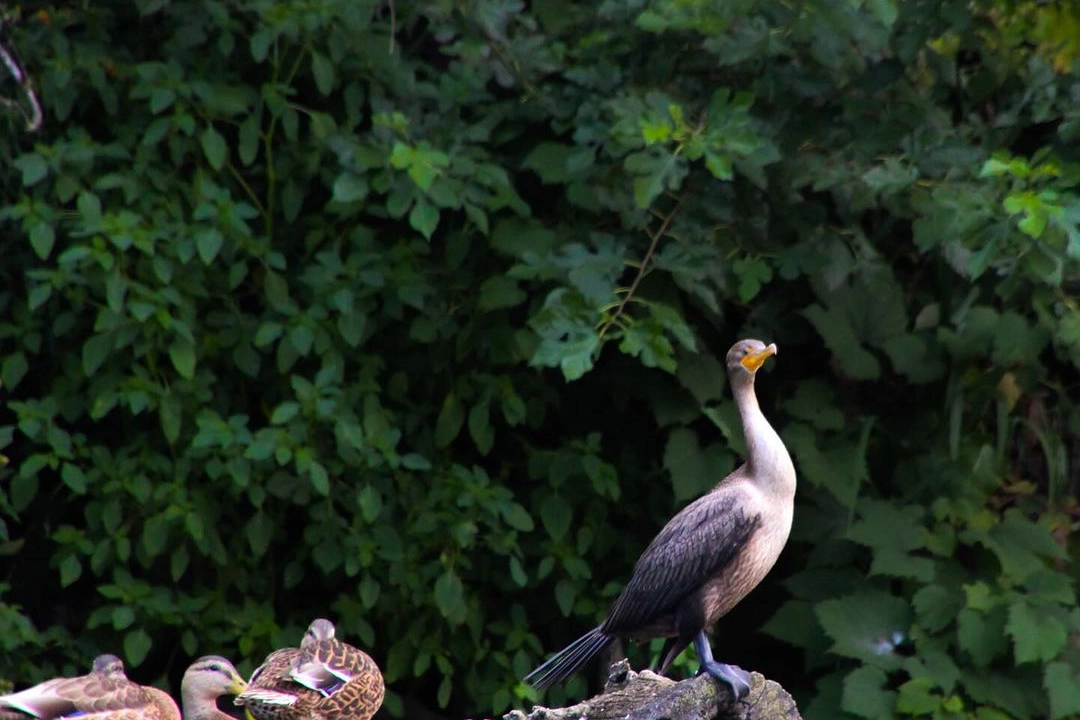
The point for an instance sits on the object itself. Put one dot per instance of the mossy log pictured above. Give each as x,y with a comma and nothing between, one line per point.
645,695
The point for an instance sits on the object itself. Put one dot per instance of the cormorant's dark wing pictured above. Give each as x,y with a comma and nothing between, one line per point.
694,546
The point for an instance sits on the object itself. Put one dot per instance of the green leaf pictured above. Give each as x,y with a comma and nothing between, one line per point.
33,168
1038,636
182,355
916,697
686,463
981,635
284,412
480,429
1062,683
14,369
137,644
208,243
936,607
214,147
70,570
448,423
565,594
555,515
865,694
867,626
499,291
550,160
42,239
450,597
424,217
323,72
73,476
371,503
94,352
320,479
856,363
122,617
517,517
170,416
259,531
350,187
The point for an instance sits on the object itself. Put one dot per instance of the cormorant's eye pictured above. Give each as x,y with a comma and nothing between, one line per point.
215,667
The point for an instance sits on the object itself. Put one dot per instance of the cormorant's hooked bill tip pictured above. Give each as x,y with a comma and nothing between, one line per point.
753,361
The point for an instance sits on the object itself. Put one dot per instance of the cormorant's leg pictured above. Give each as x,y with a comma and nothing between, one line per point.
736,678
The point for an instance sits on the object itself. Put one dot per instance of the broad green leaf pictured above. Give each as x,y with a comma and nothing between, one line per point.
517,517
1062,683
182,355
70,570
74,478
981,635
122,617
865,694
94,352
854,361
42,239
214,147
867,626
424,217
480,429
686,463
208,243
137,644
33,168
323,72
259,531
450,597
555,514
448,423
1038,636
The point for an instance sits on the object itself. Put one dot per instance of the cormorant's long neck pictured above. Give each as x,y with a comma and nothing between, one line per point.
767,458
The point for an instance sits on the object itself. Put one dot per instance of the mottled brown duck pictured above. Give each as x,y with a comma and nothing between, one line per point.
323,679
104,694
205,680
710,555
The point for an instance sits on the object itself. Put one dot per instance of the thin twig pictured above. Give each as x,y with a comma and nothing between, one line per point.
393,24
643,270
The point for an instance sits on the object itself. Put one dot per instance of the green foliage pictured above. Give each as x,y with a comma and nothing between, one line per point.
391,312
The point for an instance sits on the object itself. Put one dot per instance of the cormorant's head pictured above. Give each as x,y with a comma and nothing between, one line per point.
746,356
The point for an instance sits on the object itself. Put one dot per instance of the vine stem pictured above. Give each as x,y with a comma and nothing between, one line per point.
643,270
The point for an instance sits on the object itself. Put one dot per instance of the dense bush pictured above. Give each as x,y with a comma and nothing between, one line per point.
413,315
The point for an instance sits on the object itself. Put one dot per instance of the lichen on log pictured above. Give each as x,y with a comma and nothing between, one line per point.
644,695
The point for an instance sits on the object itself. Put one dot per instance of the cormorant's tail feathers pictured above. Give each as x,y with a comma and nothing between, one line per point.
565,663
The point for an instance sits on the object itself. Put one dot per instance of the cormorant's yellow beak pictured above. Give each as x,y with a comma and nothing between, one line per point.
238,686
755,360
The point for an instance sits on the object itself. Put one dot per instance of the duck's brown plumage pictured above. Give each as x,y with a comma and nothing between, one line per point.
710,555
323,679
104,694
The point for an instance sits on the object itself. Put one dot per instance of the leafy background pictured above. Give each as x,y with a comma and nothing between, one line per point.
413,315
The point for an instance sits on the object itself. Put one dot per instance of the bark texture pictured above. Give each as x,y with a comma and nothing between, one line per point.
631,695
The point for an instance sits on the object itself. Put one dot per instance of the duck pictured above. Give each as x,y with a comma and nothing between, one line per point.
323,679
205,680
107,694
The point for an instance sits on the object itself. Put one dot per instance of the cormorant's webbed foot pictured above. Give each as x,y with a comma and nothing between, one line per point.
735,677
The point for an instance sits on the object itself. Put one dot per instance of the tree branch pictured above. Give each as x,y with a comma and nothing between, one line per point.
647,696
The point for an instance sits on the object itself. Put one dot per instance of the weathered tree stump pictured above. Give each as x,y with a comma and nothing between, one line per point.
630,695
